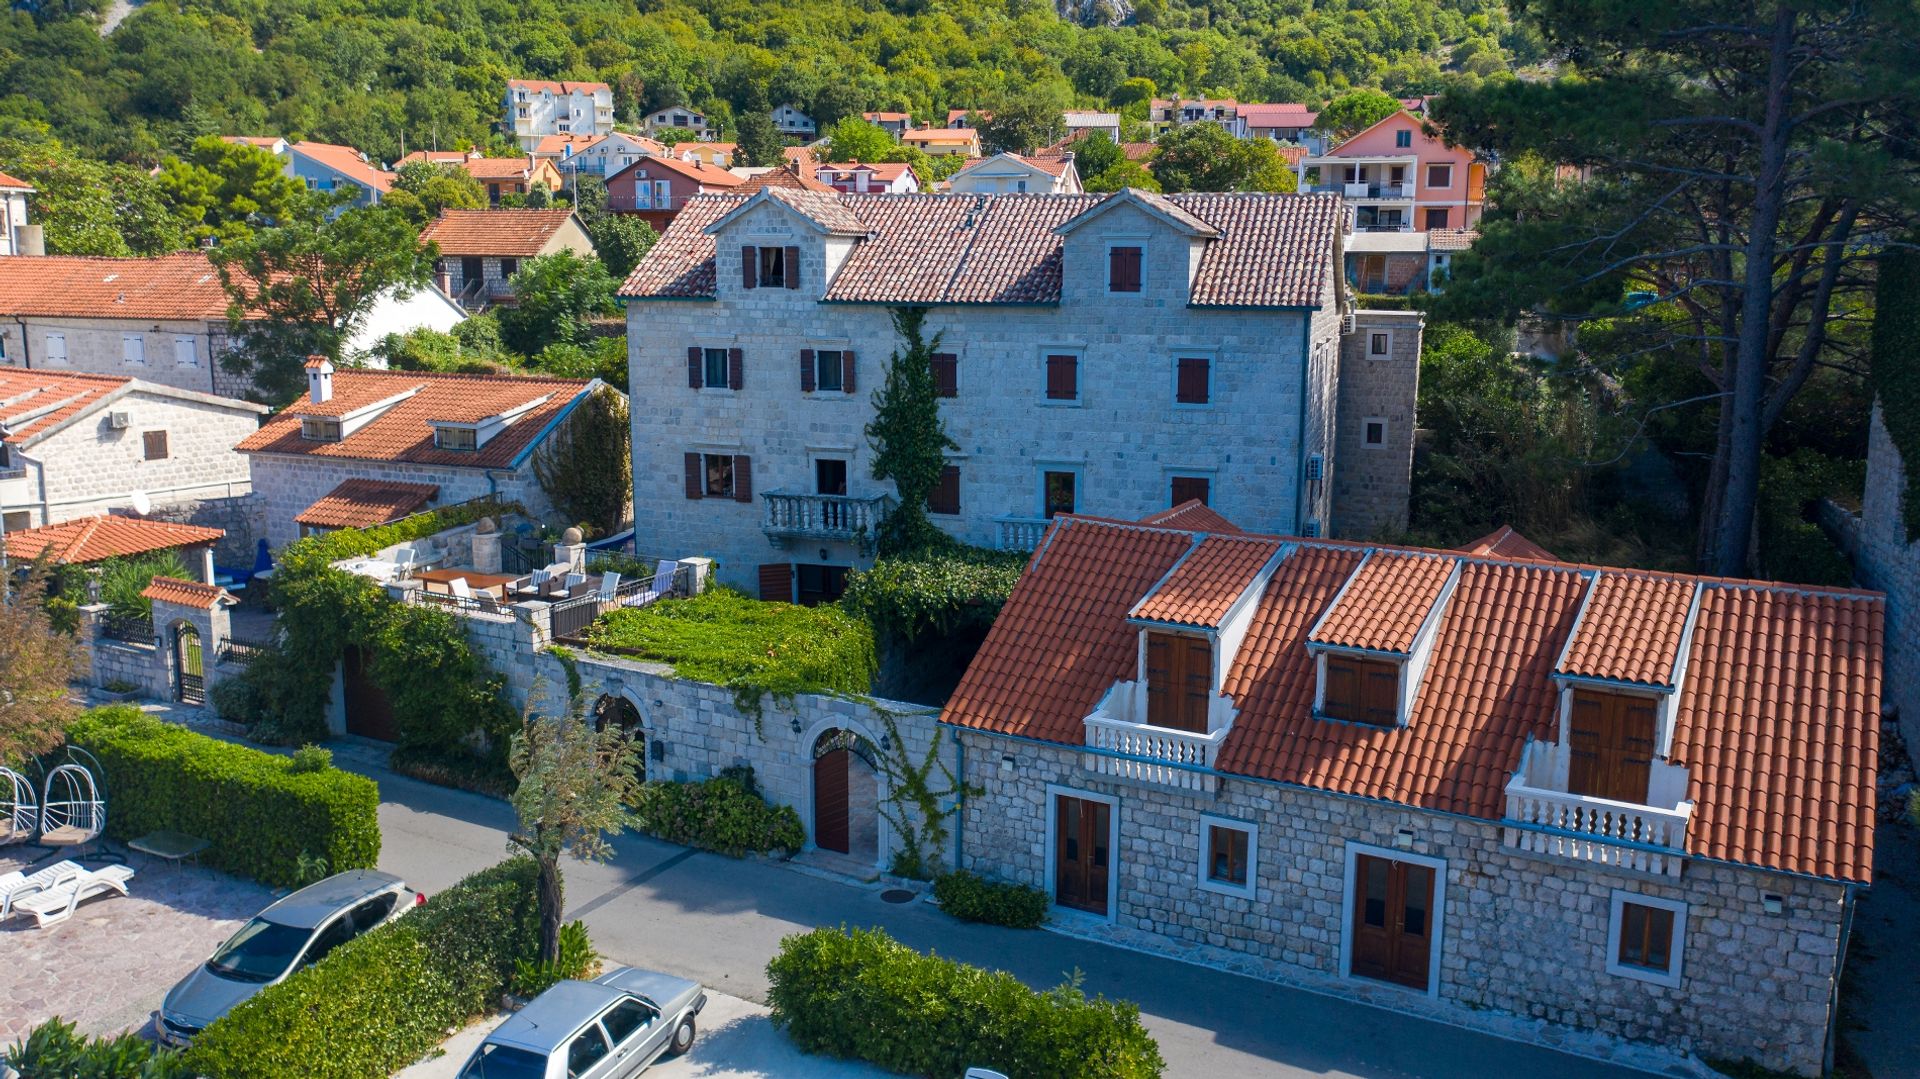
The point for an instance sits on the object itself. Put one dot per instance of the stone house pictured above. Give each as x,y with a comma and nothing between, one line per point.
481,250
13,217
680,119
77,445
1398,178
1011,173
535,108
367,447
1885,556
793,123
1622,812
656,189
1112,355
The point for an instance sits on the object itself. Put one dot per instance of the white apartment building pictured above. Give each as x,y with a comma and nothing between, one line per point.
540,107
13,215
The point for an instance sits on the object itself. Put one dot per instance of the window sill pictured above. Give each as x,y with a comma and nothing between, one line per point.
1047,402
718,391
1670,979
1222,888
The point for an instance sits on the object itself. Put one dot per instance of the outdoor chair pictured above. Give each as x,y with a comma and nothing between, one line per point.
404,562
458,586
73,811
19,810
535,584
18,885
51,906
660,586
609,586
575,580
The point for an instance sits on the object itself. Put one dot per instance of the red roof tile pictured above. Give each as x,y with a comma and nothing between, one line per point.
1630,629
1207,582
790,175
347,161
14,184
95,539
1192,515
33,402
1385,602
404,431
364,503
698,171
186,593
556,86
1451,239
178,286
1504,542
509,233
498,168
1278,115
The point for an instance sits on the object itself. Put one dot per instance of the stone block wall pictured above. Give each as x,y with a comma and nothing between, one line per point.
90,467
1523,941
289,484
97,345
1371,484
1888,561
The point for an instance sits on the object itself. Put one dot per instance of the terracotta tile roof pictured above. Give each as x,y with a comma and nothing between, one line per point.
1272,251
1194,516
788,176
1776,723
346,161
1451,239
718,147
1504,542
1278,115
404,431
177,286
823,208
13,184
362,503
1630,629
94,539
186,593
1050,163
876,117
1207,581
554,86
509,233
698,171
1137,151
940,134
1385,602
498,168
888,171
440,157
34,402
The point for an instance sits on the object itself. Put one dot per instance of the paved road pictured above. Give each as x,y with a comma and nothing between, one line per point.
719,920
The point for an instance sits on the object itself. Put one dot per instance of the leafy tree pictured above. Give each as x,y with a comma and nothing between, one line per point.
434,187
908,437
36,663
586,468
759,143
226,189
621,241
555,298
84,206
854,139
1123,173
1024,124
574,783
539,196
1135,91
1203,157
1095,153
604,358
1356,111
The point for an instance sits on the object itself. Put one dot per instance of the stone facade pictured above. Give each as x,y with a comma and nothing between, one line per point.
1886,559
105,346
289,484
1522,942
1377,393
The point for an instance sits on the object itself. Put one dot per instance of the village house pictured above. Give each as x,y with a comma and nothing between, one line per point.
89,541
1011,173
966,118
1397,178
1402,263
678,118
500,176
893,123
1292,124
793,123
481,250
366,447
535,108
718,154
1615,811
1080,121
656,189
323,166
869,177
13,219
1178,112
1096,354
78,445
941,141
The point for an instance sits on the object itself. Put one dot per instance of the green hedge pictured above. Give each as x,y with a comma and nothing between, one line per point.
861,995
939,591
724,814
384,1000
972,898
260,813
326,547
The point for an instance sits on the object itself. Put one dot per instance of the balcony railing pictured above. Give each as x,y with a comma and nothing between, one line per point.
1650,839
1158,755
1021,533
1366,190
792,515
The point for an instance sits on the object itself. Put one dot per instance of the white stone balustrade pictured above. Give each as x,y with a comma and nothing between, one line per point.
1591,829
841,517
1021,533
1152,754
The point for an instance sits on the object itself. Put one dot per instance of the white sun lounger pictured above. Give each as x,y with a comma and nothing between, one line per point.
56,904
18,885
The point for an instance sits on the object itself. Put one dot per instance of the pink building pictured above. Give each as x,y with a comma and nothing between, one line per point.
869,177
1396,178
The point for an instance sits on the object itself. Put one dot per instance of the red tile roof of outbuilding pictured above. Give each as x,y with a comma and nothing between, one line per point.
186,593
96,539
363,503
506,233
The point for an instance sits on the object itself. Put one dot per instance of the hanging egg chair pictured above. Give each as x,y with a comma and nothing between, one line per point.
19,810
73,808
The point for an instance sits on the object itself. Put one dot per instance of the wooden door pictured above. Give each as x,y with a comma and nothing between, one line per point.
1179,681
1081,857
1392,921
369,712
830,800
1611,744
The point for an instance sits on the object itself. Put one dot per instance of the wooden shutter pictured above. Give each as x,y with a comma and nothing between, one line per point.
1380,694
792,260
749,259
806,370
1339,697
1179,681
695,367
946,374
1123,269
1063,378
1196,683
696,483
1190,489
946,495
155,445
1190,382
846,372
1161,656
742,478
736,368
1611,744
776,582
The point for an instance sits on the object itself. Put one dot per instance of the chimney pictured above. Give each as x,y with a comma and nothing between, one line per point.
319,380
33,240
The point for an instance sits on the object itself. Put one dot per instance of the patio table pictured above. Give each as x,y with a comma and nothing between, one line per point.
170,846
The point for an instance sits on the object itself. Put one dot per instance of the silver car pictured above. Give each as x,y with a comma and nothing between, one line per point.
293,933
609,1028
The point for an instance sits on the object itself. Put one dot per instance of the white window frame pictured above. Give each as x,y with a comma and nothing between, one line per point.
1051,810
1124,240
1385,429
442,436
1676,952
1040,470
1371,354
1437,915
1208,822
1213,361
1427,177
133,349
663,194
56,355
188,356
1079,354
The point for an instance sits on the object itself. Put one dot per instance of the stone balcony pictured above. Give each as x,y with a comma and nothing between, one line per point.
1127,748
1020,533
794,515
1649,838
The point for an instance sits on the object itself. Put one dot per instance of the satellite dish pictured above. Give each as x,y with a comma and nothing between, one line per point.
142,505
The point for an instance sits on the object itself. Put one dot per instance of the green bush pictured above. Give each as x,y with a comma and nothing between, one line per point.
577,959
722,814
938,590
123,579
356,542
54,1050
260,811
972,898
859,994
379,1002
311,759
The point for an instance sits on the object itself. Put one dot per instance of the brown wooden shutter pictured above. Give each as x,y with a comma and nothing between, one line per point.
946,374
736,368
1196,683
792,260
946,494
1380,689
846,372
749,257
742,478
1340,696
1160,661
776,582
1190,382
1190,489
696,483
1063,378
1611,744
806,370
1123,269
695,368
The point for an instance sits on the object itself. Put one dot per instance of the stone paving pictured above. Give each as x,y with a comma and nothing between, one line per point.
107,967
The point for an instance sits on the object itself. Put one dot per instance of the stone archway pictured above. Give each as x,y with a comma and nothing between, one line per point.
847,782
189,664
619,711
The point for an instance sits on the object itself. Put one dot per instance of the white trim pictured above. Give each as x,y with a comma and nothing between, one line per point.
1079,471
1051,851
1436,917
884,842
1367,443
1207,883
1675,953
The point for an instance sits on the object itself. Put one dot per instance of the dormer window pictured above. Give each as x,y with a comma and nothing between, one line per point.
1179,680
769,267
773,267
1123,269
1611,745
314,430
456,438
1361,691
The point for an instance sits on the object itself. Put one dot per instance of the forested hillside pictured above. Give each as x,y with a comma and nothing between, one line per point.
371,73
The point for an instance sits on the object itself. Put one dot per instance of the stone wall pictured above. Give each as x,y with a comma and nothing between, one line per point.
289,484
1372,483
98,345
1523,941
1888,561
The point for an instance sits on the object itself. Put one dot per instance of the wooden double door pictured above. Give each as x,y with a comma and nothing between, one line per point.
1392,932
1611,739
1082,860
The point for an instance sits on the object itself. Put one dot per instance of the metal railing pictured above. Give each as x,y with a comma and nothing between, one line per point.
135,629
841,517
236,651
479,605
1020,533
569,618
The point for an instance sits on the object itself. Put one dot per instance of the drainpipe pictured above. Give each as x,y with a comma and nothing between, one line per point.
1300,456
1839,967
960,801
26,354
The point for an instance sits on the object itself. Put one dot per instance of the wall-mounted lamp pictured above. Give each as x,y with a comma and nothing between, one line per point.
823,554
1773,904
1403,839
795,724
886,742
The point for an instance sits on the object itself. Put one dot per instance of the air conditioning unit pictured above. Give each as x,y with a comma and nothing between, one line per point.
1346,324
119,421
1316,467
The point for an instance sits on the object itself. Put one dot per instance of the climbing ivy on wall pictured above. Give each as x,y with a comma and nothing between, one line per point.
922,796
1895,371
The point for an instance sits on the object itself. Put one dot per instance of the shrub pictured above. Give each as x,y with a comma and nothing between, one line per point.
354,542
722,814
381,1001
311,759
935,590
123,579
54,1050
577,960
861,995
261,811
972,898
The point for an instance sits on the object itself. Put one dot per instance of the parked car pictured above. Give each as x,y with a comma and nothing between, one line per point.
610,1028
293,933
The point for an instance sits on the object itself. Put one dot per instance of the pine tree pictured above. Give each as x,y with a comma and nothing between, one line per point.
909,438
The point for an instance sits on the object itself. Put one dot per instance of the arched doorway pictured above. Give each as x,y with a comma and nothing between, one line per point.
613,710
846,795
189,665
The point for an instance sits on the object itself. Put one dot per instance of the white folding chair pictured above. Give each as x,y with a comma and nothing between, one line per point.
609,585
458,586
